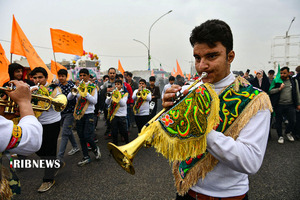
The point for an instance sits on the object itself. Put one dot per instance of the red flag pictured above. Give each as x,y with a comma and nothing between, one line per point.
4,76
179,69
20,45
65,42
120,68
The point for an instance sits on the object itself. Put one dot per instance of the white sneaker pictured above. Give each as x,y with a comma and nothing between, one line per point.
290,137
280,140
73,151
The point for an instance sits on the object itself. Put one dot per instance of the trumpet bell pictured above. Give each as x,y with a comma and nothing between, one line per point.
124,154
59,102
74,91
122,158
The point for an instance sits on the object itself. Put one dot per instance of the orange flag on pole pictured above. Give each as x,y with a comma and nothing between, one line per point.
4,76
65,42
55,67
20,45
174,72
120,68
179,69
152,72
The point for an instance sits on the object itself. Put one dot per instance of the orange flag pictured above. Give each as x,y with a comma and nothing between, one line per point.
55,67
65,42
179,69
20,45
4,76
152,72
174,72
120,68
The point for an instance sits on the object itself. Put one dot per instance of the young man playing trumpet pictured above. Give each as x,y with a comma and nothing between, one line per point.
117,112
51,125
142,96
236,146
84,114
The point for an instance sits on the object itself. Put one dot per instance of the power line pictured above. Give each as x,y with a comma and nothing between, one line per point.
32,45
98,54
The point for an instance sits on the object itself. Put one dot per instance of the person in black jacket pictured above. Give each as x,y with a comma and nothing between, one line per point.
261,81
16,72
297,126
285,98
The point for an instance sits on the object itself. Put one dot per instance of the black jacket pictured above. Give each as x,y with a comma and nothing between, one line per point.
275,97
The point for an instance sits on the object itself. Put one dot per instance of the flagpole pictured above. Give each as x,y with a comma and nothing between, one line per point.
55,63
10,57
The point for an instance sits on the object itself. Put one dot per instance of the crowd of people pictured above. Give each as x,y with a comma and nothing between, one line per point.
126,103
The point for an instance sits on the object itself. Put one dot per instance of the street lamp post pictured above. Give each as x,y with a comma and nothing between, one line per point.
148,47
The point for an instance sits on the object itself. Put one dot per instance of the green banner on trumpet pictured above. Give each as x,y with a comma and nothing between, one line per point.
180,132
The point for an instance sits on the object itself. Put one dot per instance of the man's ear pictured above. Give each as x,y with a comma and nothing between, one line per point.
230,57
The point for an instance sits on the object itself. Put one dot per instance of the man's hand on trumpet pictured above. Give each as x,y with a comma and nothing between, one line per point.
22,97
170,95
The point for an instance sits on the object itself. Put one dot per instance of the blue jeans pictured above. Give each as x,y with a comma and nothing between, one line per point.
85,130
67,134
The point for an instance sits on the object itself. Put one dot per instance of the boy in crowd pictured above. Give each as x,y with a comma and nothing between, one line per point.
67,118
142,96
117,112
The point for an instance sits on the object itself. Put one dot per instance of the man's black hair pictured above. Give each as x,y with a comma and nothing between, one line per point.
211,32
39,70
271,71
152,78
104,77
129,74
12,68
119,81
120,76
142,80
62,72
171,78
84,71
288,69
110,69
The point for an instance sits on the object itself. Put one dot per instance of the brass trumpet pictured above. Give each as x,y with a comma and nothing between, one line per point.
124,154
74,90
59,102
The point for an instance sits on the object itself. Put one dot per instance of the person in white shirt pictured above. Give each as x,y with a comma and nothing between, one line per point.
142,97
84,115
239,150
51,127
171,82
118,112
30,138
23,138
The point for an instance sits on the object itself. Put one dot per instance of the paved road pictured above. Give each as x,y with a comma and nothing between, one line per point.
279,177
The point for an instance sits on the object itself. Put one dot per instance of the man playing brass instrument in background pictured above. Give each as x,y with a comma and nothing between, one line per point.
236,147
51,125
117,112
84,114
142,96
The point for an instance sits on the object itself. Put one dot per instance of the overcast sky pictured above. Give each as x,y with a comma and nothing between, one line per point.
109,27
